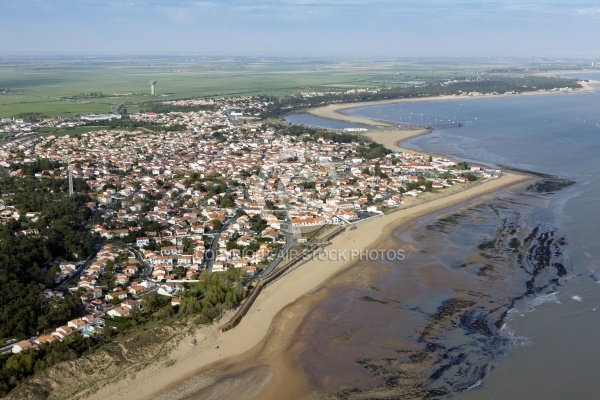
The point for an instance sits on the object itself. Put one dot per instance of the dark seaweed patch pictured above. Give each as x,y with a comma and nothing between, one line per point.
372,300
487,244
546,186
485,270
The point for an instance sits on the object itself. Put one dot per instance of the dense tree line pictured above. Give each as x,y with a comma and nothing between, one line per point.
25,260
163,108
434,87
92,95
373,150
14,369
368,149
127,123
205,300
39,165
30,116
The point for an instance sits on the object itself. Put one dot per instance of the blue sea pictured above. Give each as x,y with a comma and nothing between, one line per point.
556,356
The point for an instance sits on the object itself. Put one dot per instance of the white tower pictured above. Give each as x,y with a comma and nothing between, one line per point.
152,85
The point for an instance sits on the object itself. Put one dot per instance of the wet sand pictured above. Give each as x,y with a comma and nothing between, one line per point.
313,339
432,324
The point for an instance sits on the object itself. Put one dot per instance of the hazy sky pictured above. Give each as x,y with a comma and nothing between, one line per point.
303,27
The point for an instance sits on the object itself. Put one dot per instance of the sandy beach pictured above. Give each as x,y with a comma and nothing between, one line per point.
265,331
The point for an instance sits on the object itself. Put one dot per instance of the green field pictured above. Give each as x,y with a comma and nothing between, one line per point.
50,86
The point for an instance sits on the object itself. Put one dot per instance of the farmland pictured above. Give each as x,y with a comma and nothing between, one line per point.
63,86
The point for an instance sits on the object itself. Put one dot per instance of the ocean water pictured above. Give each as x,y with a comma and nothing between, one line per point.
553,134
547,347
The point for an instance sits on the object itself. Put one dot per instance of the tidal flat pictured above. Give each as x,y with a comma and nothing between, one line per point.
434,324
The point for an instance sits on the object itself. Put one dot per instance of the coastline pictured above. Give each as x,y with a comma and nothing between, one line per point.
390,135
335,112
270,314
385,133
268,310
590,85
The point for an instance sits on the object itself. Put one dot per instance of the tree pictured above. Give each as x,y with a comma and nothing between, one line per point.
226,202
190,305
179,271
470,177
154,302
131,237
257,224
446,175
217,225
135,315
188,245
25,261
463,165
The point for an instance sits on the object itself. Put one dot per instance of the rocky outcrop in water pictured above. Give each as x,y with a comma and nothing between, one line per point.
517,257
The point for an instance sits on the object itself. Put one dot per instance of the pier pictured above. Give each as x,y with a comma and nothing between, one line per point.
412,127
445,126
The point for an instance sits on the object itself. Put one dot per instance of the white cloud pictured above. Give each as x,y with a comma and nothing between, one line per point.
593,11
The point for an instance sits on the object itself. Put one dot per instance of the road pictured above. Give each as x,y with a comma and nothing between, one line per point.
289,241
146,267
87,262
211,253
65,285
115,109
8,348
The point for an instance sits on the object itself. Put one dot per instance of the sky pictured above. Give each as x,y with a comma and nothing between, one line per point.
411,28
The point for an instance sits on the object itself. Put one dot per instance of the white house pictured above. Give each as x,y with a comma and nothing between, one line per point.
119,312
24,345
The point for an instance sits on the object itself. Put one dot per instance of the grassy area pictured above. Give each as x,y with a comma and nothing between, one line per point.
115,322
54,86
77,131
